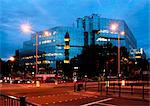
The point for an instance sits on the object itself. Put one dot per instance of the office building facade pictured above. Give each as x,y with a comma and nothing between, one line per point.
90,30
97,31
51,48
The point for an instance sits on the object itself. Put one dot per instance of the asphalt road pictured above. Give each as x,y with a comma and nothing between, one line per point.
64,95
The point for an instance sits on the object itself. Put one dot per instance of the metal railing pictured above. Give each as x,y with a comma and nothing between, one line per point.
6,100
133,89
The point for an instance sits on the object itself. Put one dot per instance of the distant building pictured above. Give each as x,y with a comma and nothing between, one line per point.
137,54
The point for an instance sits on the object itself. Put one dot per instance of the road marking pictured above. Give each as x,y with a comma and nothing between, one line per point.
60,101
104,104
54,102
103,100
46,103
66,100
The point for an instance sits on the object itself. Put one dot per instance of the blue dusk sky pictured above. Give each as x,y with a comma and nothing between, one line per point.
44,14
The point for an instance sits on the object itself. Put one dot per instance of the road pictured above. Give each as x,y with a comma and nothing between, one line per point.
49,95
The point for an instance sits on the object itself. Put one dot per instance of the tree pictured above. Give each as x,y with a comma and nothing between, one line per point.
97,58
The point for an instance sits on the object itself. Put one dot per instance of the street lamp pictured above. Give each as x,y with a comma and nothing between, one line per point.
114,27
12,58
27,28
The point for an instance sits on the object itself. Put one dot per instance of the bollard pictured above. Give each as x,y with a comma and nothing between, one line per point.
106,90
22,101
75,87
131,89
98,86
143,92
85,86
119,89
107,85
37,83
114,87
101,88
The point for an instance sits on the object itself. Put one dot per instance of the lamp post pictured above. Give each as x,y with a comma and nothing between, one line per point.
114,28
26,28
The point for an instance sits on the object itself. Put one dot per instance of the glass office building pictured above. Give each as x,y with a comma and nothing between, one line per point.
98,31
90,30
51,47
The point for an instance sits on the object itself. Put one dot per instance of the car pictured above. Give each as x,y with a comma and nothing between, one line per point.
16,81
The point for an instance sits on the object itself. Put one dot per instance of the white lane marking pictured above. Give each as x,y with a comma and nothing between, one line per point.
103,100
75,99
95,96
104,104
66,100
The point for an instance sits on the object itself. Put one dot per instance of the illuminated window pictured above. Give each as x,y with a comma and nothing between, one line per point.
66,47
66,61
46,41
102,39
67,39
40,36
137,57
52,54
54,32
46,62
26,63
58,47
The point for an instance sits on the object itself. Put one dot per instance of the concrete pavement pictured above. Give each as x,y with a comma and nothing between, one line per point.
63,94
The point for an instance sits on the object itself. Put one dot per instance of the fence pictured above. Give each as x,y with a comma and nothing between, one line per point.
13,101
119,88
